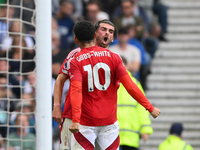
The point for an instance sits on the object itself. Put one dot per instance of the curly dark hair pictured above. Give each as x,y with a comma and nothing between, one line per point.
97,25
84,31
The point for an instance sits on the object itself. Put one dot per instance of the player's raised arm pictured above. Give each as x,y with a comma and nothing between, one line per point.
58,88
137,94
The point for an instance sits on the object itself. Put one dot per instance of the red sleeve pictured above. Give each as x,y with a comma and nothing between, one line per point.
120,69
135,92
63,68
66,64
76,100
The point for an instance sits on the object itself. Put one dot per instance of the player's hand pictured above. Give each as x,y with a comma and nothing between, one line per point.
57,114
155,113
74,128
145,136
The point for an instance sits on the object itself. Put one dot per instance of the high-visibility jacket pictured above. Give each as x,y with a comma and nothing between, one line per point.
173,142
133,118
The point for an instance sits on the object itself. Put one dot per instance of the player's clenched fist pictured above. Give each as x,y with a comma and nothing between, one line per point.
155,113
57,114
74,128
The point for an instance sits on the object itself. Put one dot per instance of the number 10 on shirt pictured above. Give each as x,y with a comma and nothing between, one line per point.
93,75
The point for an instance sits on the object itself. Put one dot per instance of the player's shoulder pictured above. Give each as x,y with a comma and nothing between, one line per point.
98,48
73,53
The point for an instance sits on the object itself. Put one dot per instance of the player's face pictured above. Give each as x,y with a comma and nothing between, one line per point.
104,35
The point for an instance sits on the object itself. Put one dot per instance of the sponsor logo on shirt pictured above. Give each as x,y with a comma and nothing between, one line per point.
64,71
65,65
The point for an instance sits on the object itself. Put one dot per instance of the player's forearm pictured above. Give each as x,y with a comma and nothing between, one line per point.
58,88
135,92
76,100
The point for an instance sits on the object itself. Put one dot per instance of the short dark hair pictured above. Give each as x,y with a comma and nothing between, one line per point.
61,2
84,31
2,75
97,24
132,3
176,128
123,31
96,2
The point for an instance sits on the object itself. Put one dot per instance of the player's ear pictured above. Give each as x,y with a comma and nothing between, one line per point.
112,39
76,40
95,36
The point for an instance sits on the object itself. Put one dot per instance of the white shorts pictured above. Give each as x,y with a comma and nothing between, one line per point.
65,134
107,137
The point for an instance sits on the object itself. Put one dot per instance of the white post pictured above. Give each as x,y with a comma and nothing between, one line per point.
44,76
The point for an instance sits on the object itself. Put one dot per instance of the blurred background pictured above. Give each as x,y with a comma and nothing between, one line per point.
165,35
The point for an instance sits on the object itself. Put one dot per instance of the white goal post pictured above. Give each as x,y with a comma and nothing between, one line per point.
15,45
44,75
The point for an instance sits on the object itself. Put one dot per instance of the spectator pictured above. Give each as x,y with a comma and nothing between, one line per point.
3,123
161,11
136,11
21,133
109,6
16,27
151,25
29,99
5,12
150,42
77,12
54,24
5,94
132,117
128,18
94,12
154,29
139,11
2,145
4,67
130,52
26,15
78,9
23,107
65,25
29,84
5,104
145,57
19,53
58,56
174,140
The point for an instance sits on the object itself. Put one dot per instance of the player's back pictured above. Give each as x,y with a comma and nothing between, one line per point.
100,70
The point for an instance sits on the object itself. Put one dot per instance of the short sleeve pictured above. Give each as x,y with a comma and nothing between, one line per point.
63,68
66,64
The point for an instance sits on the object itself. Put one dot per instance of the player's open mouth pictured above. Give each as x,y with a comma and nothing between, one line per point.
105,39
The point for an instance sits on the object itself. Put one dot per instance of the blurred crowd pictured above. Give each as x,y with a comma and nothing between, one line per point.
140,29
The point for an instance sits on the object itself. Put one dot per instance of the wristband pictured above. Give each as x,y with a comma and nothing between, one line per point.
56,104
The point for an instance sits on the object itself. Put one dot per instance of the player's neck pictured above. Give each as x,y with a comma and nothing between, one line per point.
86,45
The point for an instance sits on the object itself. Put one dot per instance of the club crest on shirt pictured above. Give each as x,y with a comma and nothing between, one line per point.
65,65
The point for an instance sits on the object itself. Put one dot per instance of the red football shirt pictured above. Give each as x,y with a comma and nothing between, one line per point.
99,70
